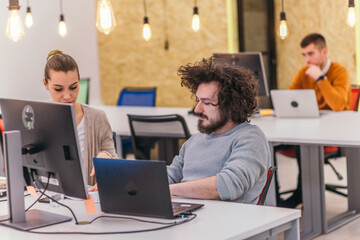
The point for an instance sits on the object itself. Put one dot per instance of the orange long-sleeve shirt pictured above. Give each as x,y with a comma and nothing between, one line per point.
332,93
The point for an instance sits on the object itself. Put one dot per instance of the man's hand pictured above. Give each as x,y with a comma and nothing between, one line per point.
313,71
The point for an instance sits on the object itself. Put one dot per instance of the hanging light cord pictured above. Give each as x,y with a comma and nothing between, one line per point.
165,20
145,11
61,8
195,3
166,44
282,5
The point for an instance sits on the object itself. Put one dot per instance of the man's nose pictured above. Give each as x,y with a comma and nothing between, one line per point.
198,108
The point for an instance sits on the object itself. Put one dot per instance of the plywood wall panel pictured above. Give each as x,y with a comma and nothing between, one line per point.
126,59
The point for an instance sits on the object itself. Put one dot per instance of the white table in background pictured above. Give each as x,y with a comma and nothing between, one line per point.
312,134
216,220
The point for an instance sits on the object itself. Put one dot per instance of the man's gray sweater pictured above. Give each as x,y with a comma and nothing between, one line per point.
239,158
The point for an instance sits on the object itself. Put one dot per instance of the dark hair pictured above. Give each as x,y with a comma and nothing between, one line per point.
59,62
237,85
314,38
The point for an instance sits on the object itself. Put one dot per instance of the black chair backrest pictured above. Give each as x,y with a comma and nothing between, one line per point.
265,190
146,130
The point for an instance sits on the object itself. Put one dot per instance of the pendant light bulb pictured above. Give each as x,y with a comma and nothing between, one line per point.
146,29
283,28
351,17
15,29
105,20
28,19
196,20
62,29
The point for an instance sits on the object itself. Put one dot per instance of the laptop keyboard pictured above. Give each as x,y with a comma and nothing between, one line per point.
180,207
177,208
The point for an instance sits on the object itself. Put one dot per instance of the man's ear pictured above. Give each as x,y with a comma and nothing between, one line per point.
45,84
324,51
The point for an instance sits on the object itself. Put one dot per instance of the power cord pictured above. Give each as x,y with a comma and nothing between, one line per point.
42,193
188,218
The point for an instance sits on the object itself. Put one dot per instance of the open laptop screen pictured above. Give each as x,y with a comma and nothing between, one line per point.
295,103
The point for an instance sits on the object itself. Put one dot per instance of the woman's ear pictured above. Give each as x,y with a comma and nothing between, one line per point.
46,84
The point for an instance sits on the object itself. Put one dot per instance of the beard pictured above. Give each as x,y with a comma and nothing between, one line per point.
214,124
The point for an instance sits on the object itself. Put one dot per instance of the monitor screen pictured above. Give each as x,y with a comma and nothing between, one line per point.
252,61
49,144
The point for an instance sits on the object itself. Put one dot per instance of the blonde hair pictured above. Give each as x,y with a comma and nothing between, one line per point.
59,62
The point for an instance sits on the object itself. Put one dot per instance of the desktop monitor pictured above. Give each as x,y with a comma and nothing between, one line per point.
254,62
48,146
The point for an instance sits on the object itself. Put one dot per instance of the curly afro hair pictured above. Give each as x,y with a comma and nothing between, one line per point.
238,85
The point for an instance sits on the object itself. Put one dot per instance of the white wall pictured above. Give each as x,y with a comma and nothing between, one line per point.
22,63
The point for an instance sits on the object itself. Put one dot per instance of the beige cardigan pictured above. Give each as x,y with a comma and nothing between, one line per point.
98,137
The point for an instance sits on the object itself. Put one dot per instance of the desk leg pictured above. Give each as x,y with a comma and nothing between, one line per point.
293,232
312,189
353,173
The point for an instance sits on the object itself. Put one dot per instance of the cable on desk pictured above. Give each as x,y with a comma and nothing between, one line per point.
188,217
42,193
61,204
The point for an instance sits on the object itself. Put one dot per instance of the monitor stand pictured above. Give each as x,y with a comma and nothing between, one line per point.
20,219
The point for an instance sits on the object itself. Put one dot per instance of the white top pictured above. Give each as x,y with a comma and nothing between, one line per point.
81,134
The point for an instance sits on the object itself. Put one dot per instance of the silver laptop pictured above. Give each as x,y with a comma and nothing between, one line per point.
137,187
299,103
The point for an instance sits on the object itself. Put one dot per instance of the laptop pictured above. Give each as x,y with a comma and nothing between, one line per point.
137,187
299,103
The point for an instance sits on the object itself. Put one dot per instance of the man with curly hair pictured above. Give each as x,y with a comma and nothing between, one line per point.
229,158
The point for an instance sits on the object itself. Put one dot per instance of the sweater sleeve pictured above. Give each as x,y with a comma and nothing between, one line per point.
336,92
107,142
245,167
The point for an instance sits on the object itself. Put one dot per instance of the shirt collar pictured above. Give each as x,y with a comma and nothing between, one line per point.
327,66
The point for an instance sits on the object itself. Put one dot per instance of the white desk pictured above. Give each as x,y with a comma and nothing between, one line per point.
216,220
339,129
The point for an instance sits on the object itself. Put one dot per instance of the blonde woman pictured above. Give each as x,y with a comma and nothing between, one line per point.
95,135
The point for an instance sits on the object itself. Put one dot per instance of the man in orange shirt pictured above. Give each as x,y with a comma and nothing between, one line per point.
329,79
331,83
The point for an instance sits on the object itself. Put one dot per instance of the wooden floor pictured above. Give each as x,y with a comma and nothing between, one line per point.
335,203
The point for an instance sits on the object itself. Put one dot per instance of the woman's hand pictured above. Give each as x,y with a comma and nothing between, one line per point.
100,155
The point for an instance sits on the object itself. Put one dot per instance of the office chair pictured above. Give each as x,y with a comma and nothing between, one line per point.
135,96
263,193
165,129
354,104
84,89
